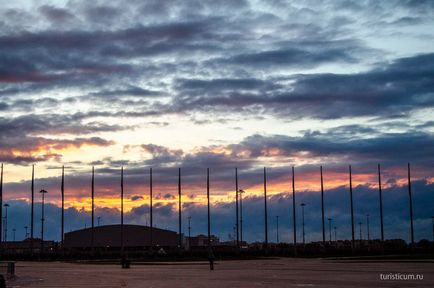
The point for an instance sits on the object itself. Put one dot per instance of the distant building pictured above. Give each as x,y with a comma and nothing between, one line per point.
109,236
19,247
202,240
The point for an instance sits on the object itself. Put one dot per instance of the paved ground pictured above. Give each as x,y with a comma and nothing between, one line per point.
253,273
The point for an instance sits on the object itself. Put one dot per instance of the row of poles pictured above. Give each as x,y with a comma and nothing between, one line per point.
238,210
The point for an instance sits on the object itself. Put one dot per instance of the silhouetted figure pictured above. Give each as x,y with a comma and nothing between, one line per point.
211,259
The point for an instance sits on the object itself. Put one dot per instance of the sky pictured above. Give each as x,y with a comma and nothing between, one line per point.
218,84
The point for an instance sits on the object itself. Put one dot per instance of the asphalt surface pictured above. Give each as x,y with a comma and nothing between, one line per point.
283,272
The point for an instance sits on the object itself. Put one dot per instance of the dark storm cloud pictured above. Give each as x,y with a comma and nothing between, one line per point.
22,134
397,88
415,146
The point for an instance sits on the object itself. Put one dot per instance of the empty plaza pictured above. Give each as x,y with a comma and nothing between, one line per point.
275,272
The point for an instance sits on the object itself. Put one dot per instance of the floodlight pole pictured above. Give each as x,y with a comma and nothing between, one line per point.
43,192
352,209
302,221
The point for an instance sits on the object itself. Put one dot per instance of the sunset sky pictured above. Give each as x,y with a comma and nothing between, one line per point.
219,84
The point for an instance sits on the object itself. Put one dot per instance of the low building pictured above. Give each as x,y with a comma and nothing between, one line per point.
109,236
202,240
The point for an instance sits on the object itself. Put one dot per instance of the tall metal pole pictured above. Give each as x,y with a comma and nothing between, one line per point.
360,232
1,201
302,221
32,209
330,229
294,224
43,192
381,204
150,209
352,210
189,231
236,208
336,239
265,210
209,216
5,232
367,226
179,209
411,205
122,211
93,211
277,229
241,214
62,192
322,208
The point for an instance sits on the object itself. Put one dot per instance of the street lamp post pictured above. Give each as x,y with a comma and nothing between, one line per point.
336,238
5,237
302,222
240,195
26,234
360,233
98,220
330,229
43,192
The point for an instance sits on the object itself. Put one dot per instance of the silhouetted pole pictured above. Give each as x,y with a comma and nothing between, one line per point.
150,208
241,213
43,192
26,234
322,208
1,202
302,221
294,223
189,231
210,253
381,204
32,209
330,229
277,229
352,210
265,210
13,234
336,239
122,211
93,211
179,209
5,232
62,224
360,233
411,205
367,226
236,208
98,219
209,216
